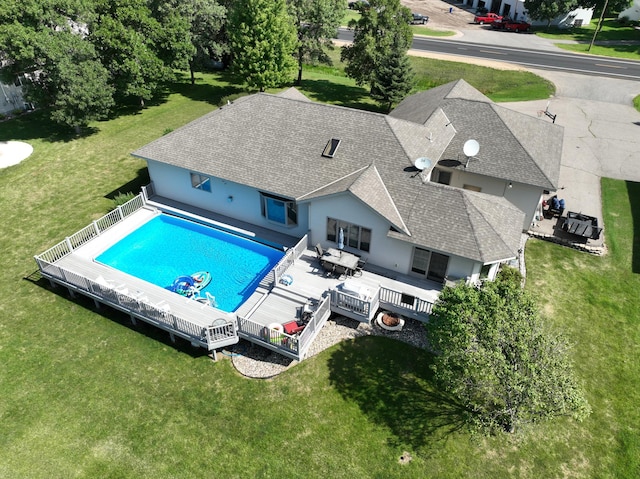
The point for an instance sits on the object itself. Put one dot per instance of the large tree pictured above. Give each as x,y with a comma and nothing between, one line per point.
547,10
207,19
139,50
47,39
317,22
393,78
382,24
494,354
263,38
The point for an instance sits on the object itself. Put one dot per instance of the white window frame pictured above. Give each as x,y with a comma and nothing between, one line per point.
201,182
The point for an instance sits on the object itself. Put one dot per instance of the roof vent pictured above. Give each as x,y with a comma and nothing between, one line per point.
331,148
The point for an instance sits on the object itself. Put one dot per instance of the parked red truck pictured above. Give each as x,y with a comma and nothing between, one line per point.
487,18
511,25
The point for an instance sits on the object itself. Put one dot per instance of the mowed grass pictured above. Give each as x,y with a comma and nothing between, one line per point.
85,394
615,39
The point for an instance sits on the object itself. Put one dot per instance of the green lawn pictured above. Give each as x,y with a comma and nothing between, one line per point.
612,31
85,394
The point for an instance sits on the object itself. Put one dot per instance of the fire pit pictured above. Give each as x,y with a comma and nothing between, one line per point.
390,321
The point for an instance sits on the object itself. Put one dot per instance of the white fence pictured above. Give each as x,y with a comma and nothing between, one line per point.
289,258
216,335
390,297
89,232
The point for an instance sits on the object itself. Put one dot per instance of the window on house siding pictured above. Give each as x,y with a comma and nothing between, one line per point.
355,236
201,182
279,210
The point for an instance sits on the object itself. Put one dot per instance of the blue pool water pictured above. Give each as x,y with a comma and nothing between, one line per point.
167,247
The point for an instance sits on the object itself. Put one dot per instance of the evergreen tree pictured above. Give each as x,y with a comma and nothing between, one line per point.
494,355
393,78
263,38
382,27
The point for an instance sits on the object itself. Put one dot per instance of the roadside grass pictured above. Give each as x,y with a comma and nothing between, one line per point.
499,85
631,52
85,394
612,31
636,102
431,32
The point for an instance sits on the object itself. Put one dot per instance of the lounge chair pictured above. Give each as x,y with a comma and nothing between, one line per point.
319,251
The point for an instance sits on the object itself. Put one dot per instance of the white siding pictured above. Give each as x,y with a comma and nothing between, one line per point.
386,252
226,197
525,197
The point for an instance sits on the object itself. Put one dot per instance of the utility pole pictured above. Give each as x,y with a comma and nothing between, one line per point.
599,26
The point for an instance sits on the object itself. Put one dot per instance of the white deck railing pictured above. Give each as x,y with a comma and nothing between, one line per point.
156,314
281,342
288,259
390,297
316,323
354,307
89,232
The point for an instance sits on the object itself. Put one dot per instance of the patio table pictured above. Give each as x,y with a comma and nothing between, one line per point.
581,225
341,258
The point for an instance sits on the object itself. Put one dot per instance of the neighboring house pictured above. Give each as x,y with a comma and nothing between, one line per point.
11,98
300,167
632,13
517,11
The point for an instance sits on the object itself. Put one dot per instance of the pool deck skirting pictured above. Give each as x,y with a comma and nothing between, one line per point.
73,267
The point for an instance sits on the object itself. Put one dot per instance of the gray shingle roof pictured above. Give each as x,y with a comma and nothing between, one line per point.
275,144
513,146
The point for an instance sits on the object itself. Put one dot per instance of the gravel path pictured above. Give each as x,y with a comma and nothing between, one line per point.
257,362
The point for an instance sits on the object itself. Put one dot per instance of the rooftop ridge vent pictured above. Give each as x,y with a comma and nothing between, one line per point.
331,148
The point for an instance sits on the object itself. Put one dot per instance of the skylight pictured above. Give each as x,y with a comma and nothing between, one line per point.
330,149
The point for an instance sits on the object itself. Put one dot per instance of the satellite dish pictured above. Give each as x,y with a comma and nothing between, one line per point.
471,148
422,163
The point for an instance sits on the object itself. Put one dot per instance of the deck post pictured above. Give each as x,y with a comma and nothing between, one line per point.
95,225
68,242
172,336
133,319
120,212
97,303
71,293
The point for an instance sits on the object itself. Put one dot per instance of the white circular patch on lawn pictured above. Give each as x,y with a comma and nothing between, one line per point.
13,152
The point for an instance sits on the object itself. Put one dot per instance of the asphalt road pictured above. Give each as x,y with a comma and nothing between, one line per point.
530,58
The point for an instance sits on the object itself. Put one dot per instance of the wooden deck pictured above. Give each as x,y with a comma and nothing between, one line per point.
206,326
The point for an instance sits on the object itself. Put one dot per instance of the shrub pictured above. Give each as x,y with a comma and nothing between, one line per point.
120,199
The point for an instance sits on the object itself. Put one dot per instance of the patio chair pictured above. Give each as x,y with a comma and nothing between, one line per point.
327,267
340,271
360,267
319,251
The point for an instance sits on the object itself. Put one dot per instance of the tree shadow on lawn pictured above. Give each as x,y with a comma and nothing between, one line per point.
343,95
36,125
206,92
393,385
134,186
633,190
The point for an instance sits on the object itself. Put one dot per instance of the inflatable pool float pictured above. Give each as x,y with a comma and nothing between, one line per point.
201,279
190,285
183,285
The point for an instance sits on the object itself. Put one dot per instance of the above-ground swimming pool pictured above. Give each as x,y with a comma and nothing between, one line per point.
167,247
